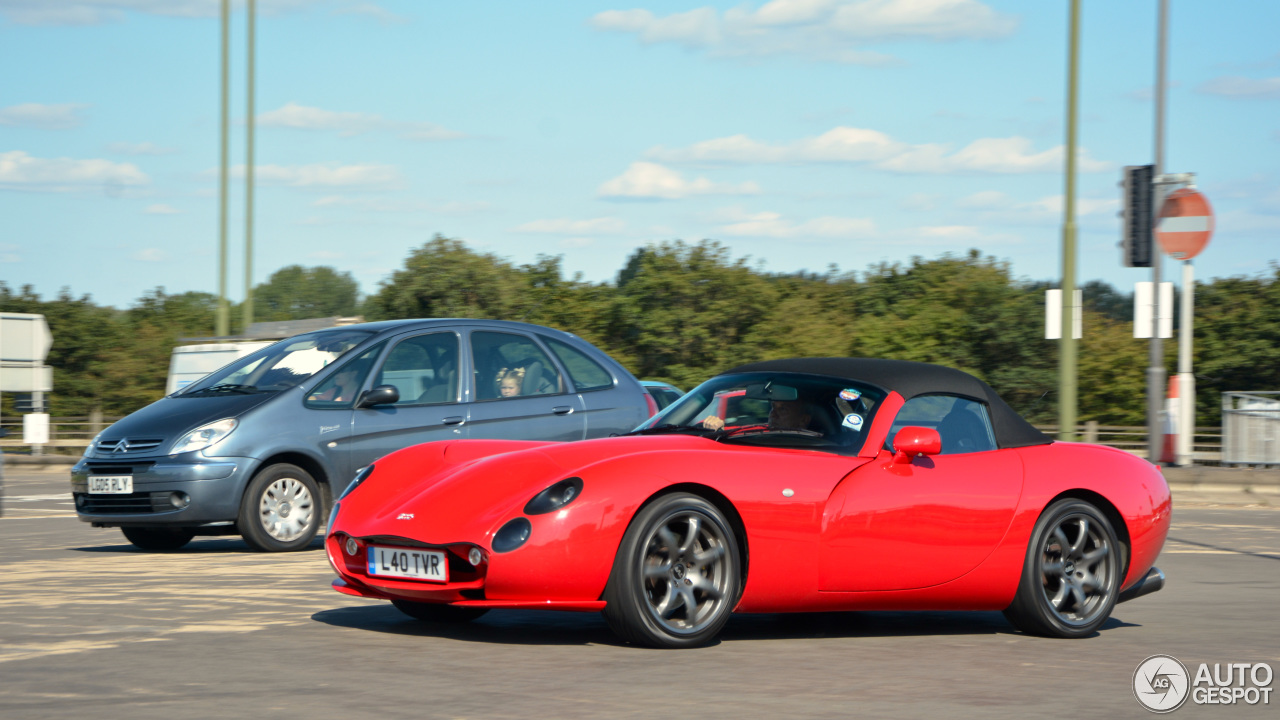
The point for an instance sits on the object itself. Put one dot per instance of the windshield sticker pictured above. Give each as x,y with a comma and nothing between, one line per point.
850,394
853,421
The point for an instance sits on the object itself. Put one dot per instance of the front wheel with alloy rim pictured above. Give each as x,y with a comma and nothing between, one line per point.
677,575
158,538
280,510
1071,576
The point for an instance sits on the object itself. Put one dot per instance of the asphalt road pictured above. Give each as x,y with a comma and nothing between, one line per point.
92,628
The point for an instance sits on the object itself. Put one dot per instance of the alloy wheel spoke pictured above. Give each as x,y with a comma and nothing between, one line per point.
1083,537
1063,544
667,605
668,538
1059,597
1077,594
1092,557
690,604
657,570
708,556
1053,568
691,536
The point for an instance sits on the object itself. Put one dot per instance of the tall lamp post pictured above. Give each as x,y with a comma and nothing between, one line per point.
1067,350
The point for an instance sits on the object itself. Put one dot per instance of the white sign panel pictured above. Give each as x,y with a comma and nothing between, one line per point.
1150,316
24,338
35,429
1053,314
26,379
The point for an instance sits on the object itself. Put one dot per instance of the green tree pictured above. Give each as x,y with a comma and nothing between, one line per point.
444,278
298,293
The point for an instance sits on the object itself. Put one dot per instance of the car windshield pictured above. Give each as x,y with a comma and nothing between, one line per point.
278,367
777,409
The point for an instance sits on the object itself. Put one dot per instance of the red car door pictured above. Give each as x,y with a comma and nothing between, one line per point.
892,526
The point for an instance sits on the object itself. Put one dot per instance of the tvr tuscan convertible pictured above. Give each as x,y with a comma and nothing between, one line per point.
817,484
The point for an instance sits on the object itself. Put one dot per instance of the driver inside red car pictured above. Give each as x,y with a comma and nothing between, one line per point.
783,415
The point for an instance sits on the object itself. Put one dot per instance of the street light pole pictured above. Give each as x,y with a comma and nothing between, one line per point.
223,321
248,179
1068,350
1155,364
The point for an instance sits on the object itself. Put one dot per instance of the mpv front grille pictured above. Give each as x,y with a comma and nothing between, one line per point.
139,502
120,446
96,468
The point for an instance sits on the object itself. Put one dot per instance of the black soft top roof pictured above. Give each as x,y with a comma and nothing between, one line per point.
910,379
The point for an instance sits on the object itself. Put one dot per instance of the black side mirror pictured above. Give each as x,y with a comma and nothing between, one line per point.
381,395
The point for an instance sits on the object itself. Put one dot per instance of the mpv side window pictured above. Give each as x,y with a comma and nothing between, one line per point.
585,373
339,391
424,368
509,365
963,424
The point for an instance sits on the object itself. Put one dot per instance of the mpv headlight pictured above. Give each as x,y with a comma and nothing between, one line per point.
204,436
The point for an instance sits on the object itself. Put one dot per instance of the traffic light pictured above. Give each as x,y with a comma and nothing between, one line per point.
1137,209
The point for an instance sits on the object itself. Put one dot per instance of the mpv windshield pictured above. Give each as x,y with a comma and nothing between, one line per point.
777,409
279,366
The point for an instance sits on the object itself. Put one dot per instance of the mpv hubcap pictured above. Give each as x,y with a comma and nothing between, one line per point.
286,509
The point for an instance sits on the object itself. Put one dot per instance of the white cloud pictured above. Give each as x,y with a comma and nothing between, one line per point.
827,30
324,175
46,117
565,226
859,145
9,253
302,117
22,171
653,181
1241,87
151,255
162,209
774,225
142,148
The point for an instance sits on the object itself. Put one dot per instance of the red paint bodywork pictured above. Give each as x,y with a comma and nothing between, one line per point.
854,532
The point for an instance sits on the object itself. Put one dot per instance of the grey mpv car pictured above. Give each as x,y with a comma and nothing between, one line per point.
262,446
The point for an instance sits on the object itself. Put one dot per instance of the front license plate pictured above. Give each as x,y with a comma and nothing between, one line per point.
412,563
110,484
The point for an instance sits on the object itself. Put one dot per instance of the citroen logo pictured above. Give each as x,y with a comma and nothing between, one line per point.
122,446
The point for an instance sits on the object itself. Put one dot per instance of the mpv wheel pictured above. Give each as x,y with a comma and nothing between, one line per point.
280,510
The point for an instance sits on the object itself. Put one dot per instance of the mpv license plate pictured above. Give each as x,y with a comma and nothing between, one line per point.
110,484
412,563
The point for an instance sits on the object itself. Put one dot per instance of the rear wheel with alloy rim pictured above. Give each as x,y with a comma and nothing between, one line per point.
158,538
1071,576
677,575
280,510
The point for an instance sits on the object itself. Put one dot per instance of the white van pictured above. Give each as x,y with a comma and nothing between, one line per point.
189,363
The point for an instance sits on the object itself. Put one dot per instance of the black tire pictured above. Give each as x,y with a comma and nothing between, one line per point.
158,538
438,612
280,510
1071,576
677,575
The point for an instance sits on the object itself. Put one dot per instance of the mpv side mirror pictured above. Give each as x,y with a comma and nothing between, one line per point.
912,441
383,395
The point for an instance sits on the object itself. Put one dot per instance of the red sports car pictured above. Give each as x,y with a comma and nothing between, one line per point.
813,484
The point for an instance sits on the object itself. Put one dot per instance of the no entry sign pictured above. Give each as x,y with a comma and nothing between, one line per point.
1185,224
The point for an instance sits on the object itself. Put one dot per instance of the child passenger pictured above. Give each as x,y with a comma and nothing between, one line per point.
509,381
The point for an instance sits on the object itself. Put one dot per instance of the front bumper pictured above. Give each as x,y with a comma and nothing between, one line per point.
210,487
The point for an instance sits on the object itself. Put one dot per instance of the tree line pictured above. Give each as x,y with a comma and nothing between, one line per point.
683,312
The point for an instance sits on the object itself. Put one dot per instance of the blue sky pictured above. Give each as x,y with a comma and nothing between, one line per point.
801,133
